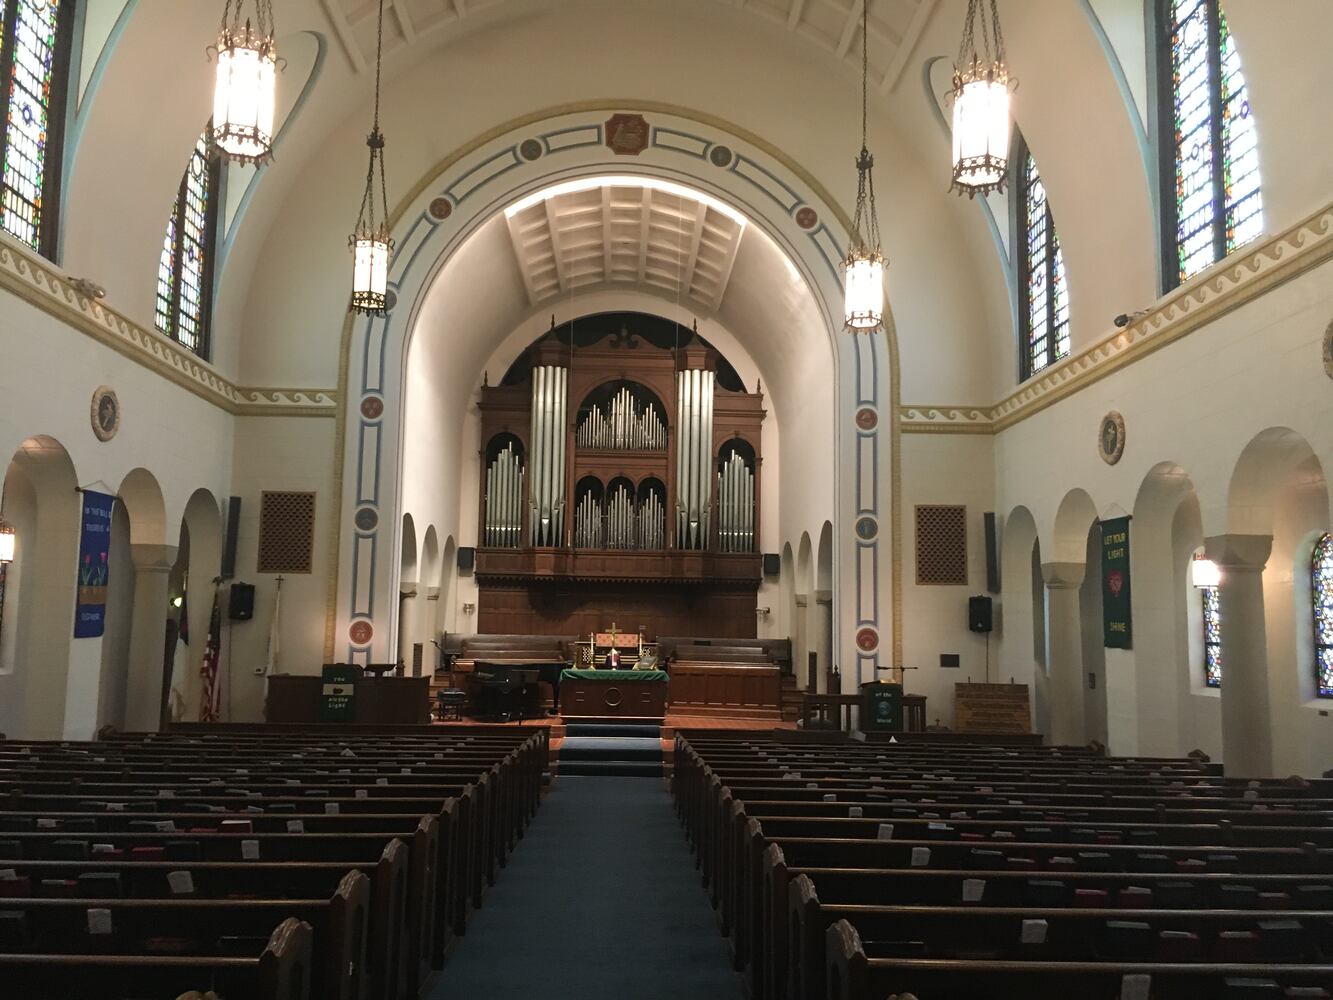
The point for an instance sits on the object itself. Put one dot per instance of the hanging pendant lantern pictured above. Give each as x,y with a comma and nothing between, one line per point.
8,540
370,242
245,91
1204,573
863,267
981,125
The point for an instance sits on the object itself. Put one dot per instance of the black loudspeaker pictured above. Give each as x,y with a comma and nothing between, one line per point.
772,564
979,613
992,553
241,602
229,543
466,557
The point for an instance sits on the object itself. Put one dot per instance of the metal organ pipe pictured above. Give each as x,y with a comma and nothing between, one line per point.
549,390
504,498
735,506
694,458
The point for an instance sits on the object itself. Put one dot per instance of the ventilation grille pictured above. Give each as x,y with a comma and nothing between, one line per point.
941,546
286,532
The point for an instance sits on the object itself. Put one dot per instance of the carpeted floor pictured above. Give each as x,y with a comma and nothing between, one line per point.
600,901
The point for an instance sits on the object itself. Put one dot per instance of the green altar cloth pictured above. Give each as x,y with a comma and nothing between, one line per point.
619,676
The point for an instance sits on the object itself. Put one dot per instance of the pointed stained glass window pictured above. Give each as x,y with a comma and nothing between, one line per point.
1321,592
185,269
1208,130
1212,637
34,64
1044,290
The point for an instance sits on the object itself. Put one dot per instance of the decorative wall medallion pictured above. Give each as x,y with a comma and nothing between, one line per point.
867,419
720,156
866,528
390,300
626,135
372,407
361,632
1111,438
807,217
105,413
1328,350
530,149
867,639
440,209
366,519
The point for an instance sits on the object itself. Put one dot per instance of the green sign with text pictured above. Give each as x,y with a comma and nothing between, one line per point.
1117,618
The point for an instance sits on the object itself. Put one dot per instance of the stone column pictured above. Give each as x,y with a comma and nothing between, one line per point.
818,629
1064,651
800,645
430,632
1247,728
148,636
407,624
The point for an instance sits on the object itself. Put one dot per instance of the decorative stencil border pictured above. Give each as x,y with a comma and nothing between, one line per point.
35,280
1223,288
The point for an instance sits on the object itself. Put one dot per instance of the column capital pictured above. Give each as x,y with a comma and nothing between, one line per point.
1239,553
432,593
824,597
802,600
153,558
1063,575
407,590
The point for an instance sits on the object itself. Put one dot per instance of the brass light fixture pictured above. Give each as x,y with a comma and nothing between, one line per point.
981,87
245,91
7,543
370,242
863,309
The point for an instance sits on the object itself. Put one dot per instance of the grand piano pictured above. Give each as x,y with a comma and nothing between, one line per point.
503,674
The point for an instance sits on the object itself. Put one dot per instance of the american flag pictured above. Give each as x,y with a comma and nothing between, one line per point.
210,706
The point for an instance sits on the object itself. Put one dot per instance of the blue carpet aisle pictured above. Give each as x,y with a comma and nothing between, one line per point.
600,900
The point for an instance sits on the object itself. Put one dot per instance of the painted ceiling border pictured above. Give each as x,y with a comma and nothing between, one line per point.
1223,288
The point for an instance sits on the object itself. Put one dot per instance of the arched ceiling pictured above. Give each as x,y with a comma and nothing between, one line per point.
833,25
625,231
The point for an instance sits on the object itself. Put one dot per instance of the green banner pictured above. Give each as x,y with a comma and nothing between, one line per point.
881,707
1117,620
337,694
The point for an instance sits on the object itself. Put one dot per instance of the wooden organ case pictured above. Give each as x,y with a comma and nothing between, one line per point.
619,480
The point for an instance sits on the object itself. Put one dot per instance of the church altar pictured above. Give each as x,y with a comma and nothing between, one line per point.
613,693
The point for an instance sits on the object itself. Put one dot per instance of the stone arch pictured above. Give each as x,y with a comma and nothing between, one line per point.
1262,471
1076,514
447,610
450,204
1022,610
142,495
37,697
202,524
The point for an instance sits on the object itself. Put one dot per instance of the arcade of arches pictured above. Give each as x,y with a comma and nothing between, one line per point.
542,254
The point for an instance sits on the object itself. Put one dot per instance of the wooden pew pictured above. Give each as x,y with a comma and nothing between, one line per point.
278,969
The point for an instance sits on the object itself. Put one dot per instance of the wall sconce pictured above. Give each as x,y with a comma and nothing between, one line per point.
1204,573
7,543
761,612
469,608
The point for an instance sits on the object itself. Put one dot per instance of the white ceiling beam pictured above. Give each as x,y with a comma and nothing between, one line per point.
915,29
516,239
728,264
341,28
645,220
553,228
606,231
404,19
700,215
849,28
794,15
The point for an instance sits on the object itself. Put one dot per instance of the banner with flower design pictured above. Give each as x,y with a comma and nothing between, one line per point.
1117,619
94,571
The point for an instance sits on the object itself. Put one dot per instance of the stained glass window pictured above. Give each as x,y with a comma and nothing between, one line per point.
34,64
1214,205
1321,590
1044,288
1212,637
185,270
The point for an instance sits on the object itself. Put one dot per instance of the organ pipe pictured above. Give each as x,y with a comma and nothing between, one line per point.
504,499
622,425
549,392
735,504
694,458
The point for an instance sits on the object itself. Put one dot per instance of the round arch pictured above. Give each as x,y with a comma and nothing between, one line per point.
807,231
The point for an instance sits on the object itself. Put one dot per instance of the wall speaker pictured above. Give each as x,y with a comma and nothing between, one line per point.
241,602
466,557
229,543
992,553
979,613
772,564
